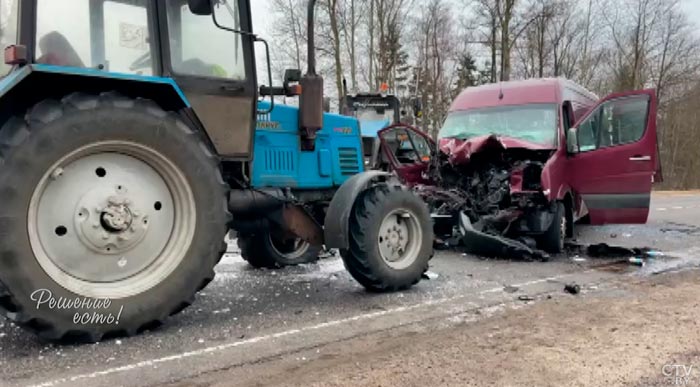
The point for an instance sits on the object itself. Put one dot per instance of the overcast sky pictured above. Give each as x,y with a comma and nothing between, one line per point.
262,20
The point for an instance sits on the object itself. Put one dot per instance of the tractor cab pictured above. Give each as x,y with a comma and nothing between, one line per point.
180,57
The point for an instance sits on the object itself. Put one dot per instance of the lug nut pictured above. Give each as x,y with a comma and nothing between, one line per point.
58,172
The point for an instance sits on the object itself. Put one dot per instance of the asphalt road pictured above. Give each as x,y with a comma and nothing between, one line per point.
248,316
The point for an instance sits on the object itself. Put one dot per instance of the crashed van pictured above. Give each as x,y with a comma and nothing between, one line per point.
517,164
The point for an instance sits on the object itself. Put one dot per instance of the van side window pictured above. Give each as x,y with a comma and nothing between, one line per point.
616,122
624,121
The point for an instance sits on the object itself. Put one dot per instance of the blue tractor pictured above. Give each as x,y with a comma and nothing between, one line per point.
133,137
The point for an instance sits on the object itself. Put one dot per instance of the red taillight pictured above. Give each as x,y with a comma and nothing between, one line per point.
16,55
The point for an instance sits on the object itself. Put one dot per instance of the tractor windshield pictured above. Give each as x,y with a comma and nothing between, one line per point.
111,35
8,27
198,47
367,108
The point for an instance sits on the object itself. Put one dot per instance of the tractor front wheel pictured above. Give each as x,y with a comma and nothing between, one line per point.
113,217
391,239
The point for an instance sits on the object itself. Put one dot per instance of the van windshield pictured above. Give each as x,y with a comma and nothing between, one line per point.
535,123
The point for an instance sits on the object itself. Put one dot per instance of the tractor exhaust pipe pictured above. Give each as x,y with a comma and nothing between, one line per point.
252,202
311,39
311,100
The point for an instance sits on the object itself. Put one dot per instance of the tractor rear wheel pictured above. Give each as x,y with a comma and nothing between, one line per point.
269,251
113,217
391,239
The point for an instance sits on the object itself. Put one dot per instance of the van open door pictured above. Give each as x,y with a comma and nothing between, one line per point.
613,157
407,151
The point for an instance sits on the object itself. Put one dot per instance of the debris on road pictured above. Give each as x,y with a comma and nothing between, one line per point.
572,288
327,253
489,245
637,261
603,250
510,289
526,298
429,275
654,254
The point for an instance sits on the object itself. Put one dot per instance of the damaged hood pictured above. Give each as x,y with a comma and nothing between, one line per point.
460,151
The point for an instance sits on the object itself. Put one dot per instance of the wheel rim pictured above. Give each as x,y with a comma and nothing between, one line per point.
400,239
111,220
290,249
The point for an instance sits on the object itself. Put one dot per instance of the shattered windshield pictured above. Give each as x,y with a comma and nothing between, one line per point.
535,123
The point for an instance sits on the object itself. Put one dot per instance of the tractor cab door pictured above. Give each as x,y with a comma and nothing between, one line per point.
215,69
407,151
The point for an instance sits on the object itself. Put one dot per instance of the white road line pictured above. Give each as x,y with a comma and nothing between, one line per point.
661,209
254,340
677,207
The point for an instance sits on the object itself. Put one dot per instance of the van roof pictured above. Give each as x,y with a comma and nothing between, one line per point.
540,90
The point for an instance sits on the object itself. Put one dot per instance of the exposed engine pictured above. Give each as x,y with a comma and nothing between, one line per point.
483,187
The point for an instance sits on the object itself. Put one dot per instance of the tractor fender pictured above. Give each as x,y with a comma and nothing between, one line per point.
337,222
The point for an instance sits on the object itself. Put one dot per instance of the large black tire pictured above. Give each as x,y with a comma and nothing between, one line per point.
552,241
364,259
29,148
258,250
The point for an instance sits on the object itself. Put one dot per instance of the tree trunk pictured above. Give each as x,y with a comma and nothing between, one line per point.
335,31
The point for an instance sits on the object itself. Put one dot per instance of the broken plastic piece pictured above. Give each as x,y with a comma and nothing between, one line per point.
603,250
480,243
637,261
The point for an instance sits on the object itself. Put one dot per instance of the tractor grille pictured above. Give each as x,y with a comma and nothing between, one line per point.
348,160
279,161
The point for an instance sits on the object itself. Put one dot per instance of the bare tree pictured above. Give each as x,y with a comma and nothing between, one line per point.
290,30
487,14
434,27
331,7
350,15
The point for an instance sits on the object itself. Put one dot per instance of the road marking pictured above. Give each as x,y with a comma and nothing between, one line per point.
254,340
677,208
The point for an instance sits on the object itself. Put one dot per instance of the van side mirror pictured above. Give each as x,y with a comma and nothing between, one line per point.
572,141
201,7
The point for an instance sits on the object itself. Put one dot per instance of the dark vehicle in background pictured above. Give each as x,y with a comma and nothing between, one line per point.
516,164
